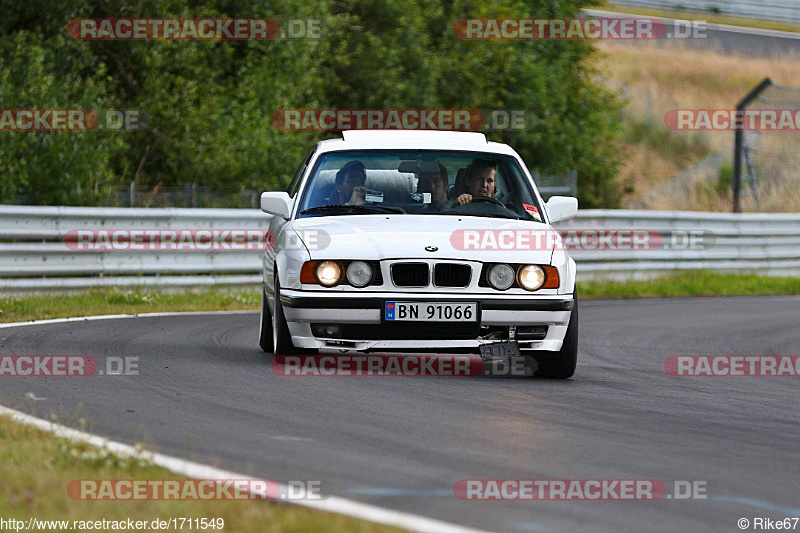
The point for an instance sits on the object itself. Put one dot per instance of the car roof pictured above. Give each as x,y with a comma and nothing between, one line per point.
423,139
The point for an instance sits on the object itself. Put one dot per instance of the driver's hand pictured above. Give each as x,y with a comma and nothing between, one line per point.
357,198
464,199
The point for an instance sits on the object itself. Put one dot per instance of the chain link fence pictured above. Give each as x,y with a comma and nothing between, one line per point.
551,185
768,170
194,195
188,195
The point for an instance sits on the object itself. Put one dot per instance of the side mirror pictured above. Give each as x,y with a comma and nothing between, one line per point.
276,203
561,208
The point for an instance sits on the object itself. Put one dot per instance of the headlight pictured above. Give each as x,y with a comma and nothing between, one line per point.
501,277
530,277
359,274
329,273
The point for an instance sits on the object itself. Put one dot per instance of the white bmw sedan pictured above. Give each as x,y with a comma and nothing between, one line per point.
419,241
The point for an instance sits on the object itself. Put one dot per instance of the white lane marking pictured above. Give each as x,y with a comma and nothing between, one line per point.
114,317
333,504
291,438
755,503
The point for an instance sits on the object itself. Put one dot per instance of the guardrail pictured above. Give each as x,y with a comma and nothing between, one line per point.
34,256
780,10
767,244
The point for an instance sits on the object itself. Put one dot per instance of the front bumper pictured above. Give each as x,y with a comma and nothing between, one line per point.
304,308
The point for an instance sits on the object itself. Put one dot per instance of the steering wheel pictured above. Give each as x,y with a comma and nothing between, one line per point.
453,204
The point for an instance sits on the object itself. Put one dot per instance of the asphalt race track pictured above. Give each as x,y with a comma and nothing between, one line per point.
206,392
726,39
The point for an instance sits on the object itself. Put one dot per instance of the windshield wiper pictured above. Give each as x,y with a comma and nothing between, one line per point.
480,215
347,209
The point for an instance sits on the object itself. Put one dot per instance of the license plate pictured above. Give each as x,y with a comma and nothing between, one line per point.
499,349
431,312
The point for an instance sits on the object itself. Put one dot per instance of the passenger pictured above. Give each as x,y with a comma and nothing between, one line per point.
436,184
480,181
350,182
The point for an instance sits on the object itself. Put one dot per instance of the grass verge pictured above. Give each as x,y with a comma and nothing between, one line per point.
692,283
36,467
111,301
714,18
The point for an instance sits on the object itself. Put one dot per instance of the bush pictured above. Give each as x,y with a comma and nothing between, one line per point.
725,180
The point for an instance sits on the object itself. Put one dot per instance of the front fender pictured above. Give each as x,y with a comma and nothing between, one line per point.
284,259
567,270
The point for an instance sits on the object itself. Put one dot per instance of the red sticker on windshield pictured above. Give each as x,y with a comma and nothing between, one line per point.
533,210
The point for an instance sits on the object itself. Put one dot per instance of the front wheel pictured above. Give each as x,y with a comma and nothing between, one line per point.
561,364
282,338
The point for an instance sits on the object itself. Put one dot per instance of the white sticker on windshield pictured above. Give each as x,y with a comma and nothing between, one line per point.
373,196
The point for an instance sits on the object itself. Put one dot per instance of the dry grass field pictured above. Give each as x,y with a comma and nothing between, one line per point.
654,79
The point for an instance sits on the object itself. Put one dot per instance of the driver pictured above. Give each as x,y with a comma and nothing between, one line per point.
480,181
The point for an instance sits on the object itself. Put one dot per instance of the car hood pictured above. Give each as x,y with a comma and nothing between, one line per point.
376,237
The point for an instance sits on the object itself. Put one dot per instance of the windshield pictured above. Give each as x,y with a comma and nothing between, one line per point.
428,182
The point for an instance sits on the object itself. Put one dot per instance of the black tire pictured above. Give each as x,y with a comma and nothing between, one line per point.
561,364
282,339
265,335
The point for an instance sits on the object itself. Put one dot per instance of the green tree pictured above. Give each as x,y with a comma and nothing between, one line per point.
67,167
209,103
